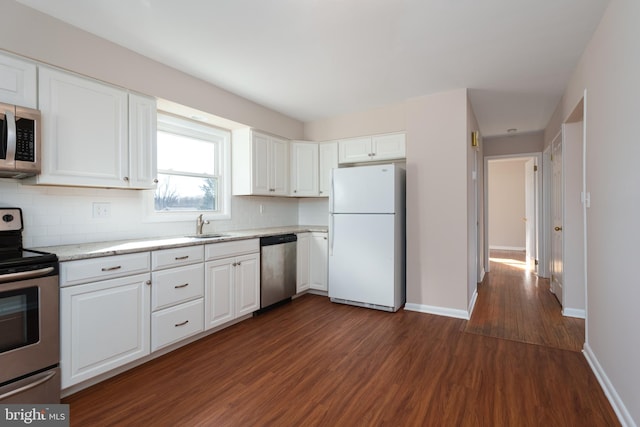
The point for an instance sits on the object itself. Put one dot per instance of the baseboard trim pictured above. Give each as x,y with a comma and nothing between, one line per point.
482,273
440,311
472,304
618,406
507,248
574,312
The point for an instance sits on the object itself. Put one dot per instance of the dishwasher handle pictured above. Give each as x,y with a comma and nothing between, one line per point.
277,240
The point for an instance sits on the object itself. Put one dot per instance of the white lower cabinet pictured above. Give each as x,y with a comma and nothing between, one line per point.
104,325
232,283
303,248
318,255
311,262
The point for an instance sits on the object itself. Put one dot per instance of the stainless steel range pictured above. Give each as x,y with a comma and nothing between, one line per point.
29,318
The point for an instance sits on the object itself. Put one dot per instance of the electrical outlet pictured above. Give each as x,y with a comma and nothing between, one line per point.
261,209
101,210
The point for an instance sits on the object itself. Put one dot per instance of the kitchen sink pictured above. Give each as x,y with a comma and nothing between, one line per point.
206,235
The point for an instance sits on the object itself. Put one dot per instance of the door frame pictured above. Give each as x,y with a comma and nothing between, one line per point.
537,194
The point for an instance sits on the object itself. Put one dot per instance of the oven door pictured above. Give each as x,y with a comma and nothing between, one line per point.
29,326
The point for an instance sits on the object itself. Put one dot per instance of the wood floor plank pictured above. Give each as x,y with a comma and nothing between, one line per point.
515,304
315,363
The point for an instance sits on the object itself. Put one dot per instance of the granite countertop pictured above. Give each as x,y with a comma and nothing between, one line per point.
99,249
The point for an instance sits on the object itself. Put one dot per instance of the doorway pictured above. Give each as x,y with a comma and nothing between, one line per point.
513,206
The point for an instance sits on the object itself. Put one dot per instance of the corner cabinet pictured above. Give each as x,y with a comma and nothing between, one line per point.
372,148
328,153
312,254
260,164
96,135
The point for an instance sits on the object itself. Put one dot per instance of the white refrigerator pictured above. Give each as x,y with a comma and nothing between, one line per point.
367,236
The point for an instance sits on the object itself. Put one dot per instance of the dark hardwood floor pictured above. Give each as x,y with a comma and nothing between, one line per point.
315,363
515,304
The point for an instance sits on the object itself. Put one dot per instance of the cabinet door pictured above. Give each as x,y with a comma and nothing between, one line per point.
304,169
390,146
143,120
355,150
84,124
103,325
18,82
328,153
261,164
247,284
219,292
279,167
318,261
302,262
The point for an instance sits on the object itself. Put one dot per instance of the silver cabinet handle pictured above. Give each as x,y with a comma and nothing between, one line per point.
126,179
181,324
155,181
180,258
25,275
24,388
117,267
239,263
148,282
181,286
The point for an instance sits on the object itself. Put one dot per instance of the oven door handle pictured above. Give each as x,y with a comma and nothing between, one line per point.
25,275
29,386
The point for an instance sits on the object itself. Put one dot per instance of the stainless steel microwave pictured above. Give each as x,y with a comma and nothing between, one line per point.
19,141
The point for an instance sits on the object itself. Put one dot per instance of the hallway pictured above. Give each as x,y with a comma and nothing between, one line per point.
515,304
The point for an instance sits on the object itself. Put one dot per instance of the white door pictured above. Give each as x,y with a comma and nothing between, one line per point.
279,167
328,153
530,213
261,164
304,169
104,325
303,248
247,284
361,259
219,295
557,209
388,146
354,150
318,262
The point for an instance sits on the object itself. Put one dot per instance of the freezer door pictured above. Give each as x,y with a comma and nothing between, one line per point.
364,189
362,259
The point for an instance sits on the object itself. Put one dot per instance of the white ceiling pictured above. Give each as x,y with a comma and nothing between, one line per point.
313,59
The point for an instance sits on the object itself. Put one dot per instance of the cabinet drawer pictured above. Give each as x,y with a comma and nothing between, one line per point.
173,324
176,285
227,249
95,269
175,257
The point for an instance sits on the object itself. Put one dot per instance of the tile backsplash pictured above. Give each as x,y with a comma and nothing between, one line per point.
64,215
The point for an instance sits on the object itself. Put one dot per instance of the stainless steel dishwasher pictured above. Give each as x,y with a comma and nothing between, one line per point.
277,269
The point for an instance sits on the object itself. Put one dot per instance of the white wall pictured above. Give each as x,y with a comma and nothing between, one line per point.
51,41
506,204
55,215
609,70
313,211
439,192
522,143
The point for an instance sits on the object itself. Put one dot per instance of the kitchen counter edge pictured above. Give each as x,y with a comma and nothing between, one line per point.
80,251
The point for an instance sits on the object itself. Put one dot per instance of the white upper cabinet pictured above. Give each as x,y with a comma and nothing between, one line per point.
304,169
260,164
96,135
143,122
18,81
372,148
328,152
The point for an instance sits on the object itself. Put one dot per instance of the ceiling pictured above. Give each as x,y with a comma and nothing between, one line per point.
315,59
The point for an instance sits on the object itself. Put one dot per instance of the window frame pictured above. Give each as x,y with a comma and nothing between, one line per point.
180,125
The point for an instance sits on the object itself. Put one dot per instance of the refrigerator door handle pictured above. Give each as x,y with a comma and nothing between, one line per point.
330,235
331,198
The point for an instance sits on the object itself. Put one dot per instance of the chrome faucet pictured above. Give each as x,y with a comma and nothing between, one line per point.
200,223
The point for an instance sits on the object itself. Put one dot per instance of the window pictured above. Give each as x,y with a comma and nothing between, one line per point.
193,167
